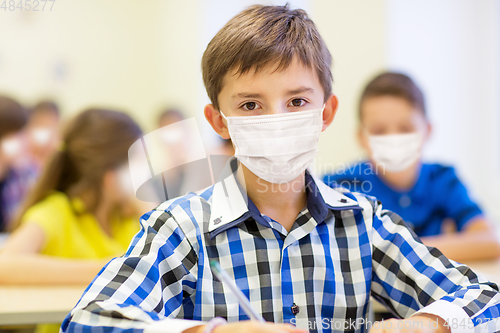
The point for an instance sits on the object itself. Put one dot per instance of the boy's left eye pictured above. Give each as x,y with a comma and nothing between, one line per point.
298,102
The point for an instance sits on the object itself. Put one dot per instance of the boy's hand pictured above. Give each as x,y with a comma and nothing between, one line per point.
251,327
419,324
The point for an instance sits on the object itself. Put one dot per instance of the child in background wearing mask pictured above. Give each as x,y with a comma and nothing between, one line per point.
429,197
17,174
302,253
43,132
81,212
80,208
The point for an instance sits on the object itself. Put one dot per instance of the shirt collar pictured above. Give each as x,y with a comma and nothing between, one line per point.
230,205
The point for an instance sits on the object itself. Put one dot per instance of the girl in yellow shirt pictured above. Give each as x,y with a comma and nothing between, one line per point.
81,212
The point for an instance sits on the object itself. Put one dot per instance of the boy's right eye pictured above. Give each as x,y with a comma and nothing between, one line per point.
250,106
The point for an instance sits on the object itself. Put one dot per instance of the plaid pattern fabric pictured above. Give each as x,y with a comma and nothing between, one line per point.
342,248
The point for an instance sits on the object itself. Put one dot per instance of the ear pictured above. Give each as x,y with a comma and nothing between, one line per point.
429,131
216,120
330,111
363,139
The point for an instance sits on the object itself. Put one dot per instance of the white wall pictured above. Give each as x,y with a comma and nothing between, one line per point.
122,54
453,51
354,32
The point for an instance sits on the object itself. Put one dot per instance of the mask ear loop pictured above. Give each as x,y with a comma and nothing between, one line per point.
223,116
227,121
321,116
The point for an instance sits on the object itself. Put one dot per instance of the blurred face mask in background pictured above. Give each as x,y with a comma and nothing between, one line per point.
396,152
277,147
41,136
172,136
11,147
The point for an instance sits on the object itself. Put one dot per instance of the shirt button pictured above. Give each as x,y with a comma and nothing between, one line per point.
295,309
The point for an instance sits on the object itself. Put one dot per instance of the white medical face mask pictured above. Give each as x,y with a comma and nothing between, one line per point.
396,152
278,147
42,136
172,136
11,147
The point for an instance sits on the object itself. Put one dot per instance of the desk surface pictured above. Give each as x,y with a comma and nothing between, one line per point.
21,305
488,269
36,305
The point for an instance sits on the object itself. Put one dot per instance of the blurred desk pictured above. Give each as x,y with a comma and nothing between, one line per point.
29,305
38,305
489,269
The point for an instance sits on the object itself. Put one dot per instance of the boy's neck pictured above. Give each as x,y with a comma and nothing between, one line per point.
404,180
281,202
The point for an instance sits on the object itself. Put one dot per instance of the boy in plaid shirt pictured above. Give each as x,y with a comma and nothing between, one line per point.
303,253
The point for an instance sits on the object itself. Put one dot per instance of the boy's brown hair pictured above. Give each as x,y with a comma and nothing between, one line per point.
393,84
264,35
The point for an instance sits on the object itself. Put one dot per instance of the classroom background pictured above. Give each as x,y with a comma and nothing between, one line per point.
142,56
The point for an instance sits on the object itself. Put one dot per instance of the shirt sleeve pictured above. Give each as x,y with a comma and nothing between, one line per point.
409,277
51,217
153,283
458,204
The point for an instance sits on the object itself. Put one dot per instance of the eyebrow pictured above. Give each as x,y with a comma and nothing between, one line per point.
300,90
246,95
289,92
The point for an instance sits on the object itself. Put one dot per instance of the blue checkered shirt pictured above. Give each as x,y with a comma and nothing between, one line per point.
342,249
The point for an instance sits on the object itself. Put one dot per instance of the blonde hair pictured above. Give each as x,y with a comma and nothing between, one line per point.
260,36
